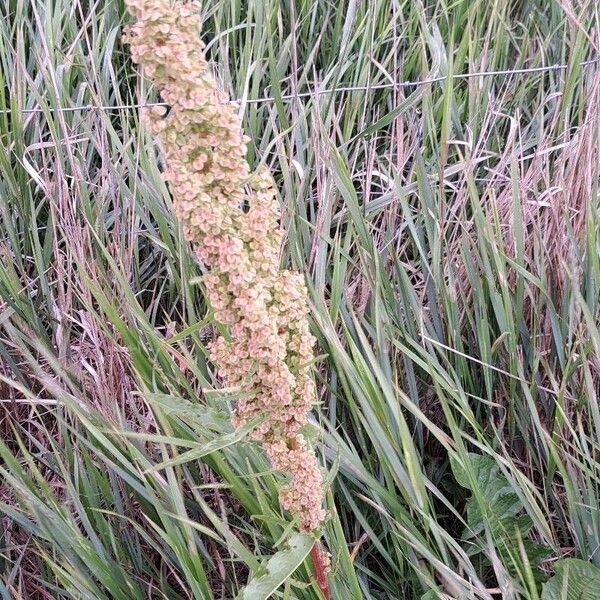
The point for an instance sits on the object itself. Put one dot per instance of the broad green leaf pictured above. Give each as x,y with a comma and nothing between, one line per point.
574,579
278,568
494,502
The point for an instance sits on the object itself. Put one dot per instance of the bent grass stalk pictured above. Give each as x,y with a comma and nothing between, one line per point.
231,215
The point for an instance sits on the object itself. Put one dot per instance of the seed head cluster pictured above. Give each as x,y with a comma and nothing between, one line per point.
232,217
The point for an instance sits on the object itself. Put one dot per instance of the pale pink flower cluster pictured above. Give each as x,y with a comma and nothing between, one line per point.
232,217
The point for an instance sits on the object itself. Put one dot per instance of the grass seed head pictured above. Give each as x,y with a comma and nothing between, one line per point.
231,215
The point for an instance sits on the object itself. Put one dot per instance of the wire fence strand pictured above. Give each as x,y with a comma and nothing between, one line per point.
316,92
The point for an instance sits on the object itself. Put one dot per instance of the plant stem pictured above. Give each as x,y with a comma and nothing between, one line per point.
320,570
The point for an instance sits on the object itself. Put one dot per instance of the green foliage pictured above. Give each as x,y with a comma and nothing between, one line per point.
494,508
278,568
574,579
494,505
450,237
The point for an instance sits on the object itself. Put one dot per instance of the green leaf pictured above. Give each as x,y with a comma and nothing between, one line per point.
202,450
494,502
513,558
485,468
574,579
278,568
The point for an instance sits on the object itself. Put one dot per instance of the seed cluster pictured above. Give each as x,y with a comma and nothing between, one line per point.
232,217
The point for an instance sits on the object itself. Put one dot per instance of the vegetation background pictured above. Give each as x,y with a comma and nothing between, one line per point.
450,237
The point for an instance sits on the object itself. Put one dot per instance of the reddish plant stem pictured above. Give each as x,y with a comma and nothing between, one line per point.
320,570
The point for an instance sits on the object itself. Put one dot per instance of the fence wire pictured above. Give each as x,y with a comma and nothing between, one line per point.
316,92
